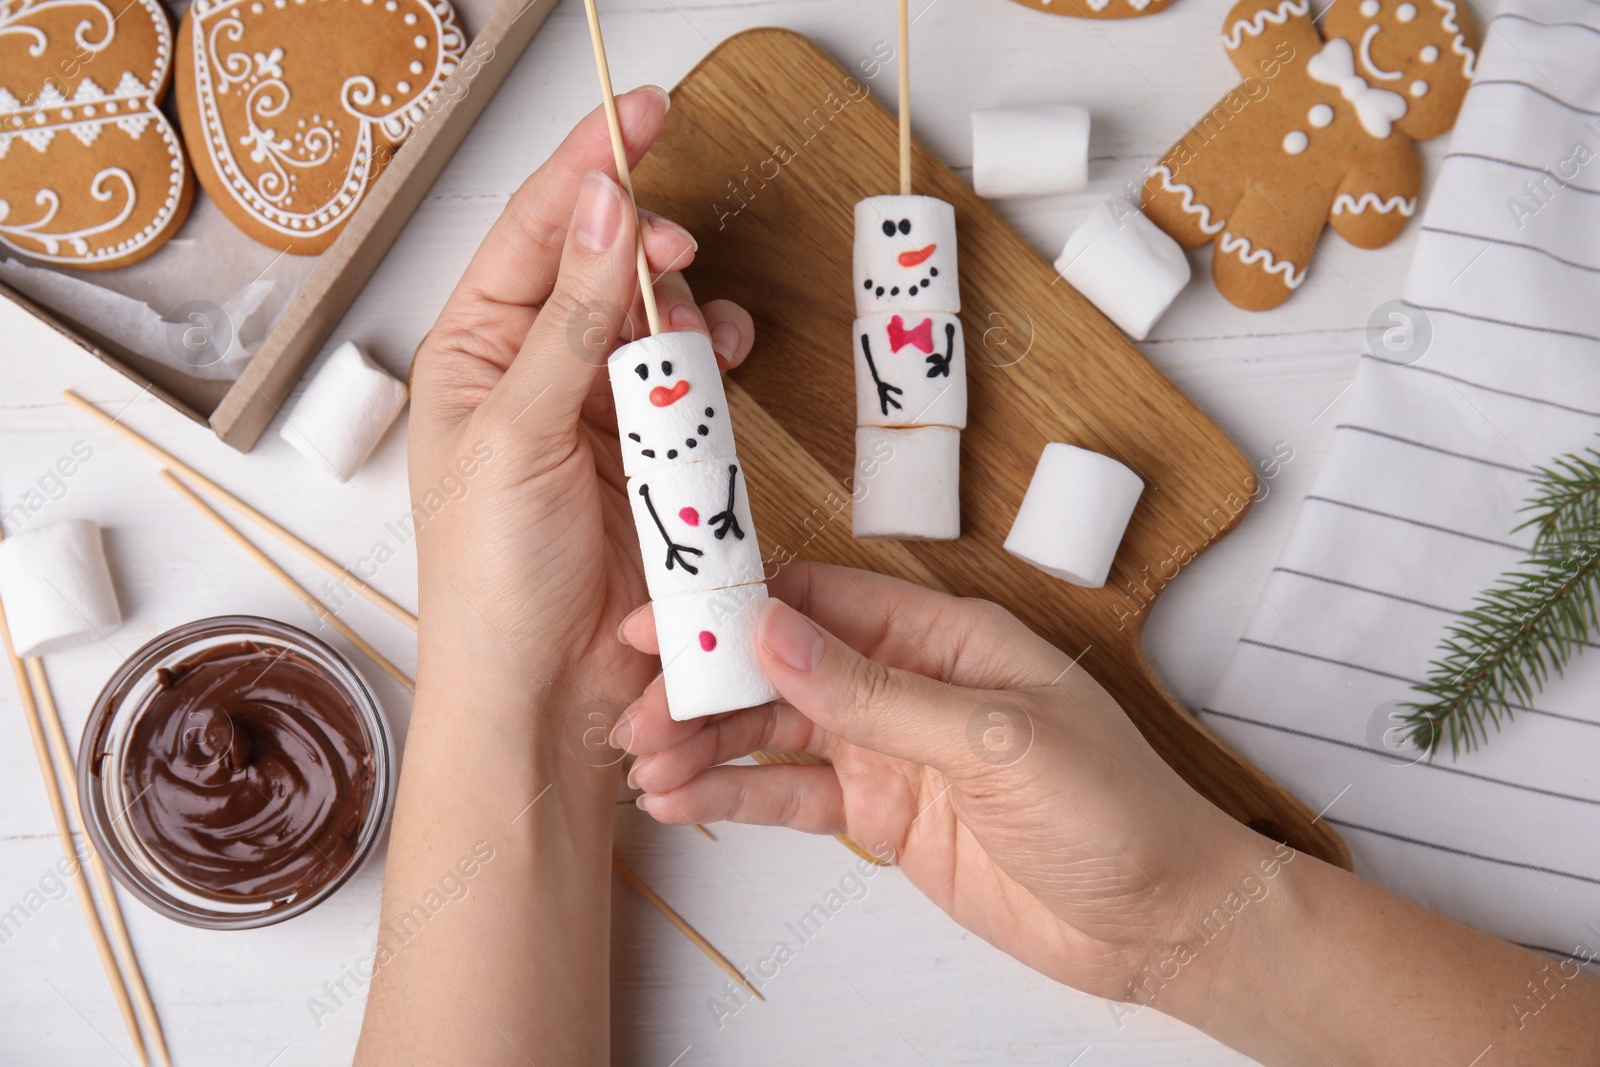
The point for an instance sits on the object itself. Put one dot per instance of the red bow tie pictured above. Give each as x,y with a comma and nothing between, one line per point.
918,336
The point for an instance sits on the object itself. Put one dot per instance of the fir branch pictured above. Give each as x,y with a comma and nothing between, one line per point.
1565,504
1499,653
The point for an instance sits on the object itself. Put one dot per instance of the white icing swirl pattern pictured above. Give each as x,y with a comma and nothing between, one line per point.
1232,244
262,150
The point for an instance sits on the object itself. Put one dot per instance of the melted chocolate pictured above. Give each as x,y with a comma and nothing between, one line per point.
250,774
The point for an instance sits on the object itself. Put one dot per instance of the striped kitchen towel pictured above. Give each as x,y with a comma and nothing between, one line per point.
1412,515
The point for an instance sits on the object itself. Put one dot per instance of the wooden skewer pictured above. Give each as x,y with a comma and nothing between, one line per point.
325,562
683,926
52,788
905,100
618,149
323,614
57,738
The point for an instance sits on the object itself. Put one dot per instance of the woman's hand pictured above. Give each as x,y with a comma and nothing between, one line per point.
528,557
527,562
1009,786
1017,795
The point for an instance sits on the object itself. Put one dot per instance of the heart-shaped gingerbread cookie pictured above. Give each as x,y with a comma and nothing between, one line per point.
291,108
91,173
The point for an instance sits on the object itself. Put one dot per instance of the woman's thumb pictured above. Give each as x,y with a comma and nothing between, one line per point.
895,712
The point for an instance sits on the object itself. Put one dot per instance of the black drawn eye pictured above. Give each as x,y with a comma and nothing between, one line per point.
643,372
633,437
905,226
666,368
649,452
888,228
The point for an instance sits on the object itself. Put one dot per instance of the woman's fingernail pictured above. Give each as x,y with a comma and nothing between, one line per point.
621,733
659,224
622,627
639,802
599,213
685,317
633,773
725,339
791,637
666,97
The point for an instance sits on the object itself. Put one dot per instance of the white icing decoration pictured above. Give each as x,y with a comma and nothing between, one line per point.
1366,58
1429,54
1376,108
1320,115
1369,8
1419,88
1295,142
1188,203
1405,12
224,64
15,16
1459,44
1257,24
1344,202
1268,262
131,106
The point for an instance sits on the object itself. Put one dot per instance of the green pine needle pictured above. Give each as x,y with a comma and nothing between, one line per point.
1499,653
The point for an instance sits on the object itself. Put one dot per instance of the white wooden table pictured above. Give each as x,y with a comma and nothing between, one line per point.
888,980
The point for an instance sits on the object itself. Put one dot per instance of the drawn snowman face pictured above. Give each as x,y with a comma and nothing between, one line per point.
671,408
905,255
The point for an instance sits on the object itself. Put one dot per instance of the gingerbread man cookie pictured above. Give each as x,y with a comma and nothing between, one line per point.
1321,131
1098,9
91,173
292,108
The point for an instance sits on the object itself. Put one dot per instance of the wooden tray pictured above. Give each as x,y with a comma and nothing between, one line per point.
767,147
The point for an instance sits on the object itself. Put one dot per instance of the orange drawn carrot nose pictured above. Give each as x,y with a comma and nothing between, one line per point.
662,397
917,258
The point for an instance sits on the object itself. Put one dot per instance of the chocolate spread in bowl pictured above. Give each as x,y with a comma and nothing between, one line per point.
249,774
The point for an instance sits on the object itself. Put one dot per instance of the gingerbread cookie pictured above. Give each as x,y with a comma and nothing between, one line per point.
91,173
1323,130
292,108
1098,9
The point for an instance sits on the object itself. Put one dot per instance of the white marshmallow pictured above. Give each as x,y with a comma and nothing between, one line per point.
708,651
911,370
695,529
908,483
1074,514
56,587
345,411
1126,265
671,408
905,255
1030,151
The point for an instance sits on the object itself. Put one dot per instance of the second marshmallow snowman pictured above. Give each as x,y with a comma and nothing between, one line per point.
691,509
911,367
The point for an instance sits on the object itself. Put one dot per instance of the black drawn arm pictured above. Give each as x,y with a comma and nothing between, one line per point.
939,366
675,553
726,520
885,401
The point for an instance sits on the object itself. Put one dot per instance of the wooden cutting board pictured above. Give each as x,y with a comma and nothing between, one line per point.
767,147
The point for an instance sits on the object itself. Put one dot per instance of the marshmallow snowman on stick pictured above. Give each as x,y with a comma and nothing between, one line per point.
910,356
687,490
